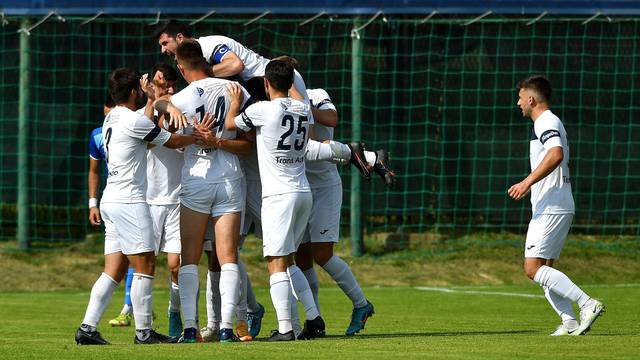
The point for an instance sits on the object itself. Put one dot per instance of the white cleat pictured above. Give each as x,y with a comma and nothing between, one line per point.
209,334
589,313
563,331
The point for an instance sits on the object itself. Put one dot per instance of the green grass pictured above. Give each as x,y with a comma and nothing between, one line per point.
409,323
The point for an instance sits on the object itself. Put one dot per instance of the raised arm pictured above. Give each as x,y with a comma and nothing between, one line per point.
234,109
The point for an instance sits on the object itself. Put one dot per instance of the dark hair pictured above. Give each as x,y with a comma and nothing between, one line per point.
255,87
172,28
291,60
168,71
108,101
279,73
121,82
538,83
189,55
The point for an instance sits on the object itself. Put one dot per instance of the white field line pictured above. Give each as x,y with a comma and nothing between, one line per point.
477,292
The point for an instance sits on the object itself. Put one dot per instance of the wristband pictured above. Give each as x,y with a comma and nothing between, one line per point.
93,203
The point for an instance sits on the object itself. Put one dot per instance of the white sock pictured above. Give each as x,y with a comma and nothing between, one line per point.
295,316
371,157
312,279
241,309
335,152
341,273
562,306
229,287
141,300
560,284
302,292
280,289
126,309
188,280
213,299
100,298
174,296
252,303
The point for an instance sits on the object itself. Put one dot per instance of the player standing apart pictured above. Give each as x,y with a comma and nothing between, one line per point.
553,209
128,228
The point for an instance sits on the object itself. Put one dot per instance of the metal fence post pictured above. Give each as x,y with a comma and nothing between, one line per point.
23,153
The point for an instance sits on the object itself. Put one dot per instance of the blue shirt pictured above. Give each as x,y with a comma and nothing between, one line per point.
96,150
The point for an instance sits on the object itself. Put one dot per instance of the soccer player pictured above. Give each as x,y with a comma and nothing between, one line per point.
553,209
282,126
128,228
96,155
164,168
324,223
212,188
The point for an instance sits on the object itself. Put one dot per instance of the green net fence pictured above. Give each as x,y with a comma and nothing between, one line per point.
438,94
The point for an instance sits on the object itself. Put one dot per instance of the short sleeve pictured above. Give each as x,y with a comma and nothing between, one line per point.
143,128
250,118
322,101
548,132
94,148
219,52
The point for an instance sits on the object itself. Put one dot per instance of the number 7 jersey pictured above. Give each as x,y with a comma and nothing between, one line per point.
282,131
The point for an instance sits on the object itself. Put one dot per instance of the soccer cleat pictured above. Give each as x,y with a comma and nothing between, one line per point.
209,334
242,331
381,167
277,336
358,159
312,329
121,320
254,321
227,336
561,330
89,338
188,336
152,337
359,317
175,323
589,313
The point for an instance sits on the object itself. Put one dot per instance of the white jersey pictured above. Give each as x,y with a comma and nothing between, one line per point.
282,128
215,47
250,166
126,134
164,168
552,194
322,173
209,164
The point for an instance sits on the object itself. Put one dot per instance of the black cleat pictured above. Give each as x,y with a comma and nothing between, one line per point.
153,337
277,336
381,168
312,329
358,159
89,338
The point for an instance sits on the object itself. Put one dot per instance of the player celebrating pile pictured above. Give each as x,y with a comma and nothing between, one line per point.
553,209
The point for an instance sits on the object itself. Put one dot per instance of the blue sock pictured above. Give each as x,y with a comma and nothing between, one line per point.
127,286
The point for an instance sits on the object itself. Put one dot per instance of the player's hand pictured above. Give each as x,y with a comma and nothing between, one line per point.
176,118
206,123
236,95
147,87
202,132
519,190
94,216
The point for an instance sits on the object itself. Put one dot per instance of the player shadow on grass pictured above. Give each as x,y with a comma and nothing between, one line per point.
428,334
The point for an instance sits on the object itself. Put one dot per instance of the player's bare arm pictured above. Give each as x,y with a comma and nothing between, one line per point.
326,117
176,117
93,182
550,161
234,109
229,66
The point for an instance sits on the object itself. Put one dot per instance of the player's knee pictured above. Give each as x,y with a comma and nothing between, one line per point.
530,270
322,252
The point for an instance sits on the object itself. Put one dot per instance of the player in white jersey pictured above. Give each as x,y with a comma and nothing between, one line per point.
164,168
282,129
553,208
212,187
128,228
324,223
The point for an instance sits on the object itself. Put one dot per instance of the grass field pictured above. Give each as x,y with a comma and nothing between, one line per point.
470,323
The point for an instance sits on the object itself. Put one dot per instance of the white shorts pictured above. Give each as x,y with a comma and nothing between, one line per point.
166,227
127,228
213,199
285,217
546,235
252,209
324,222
